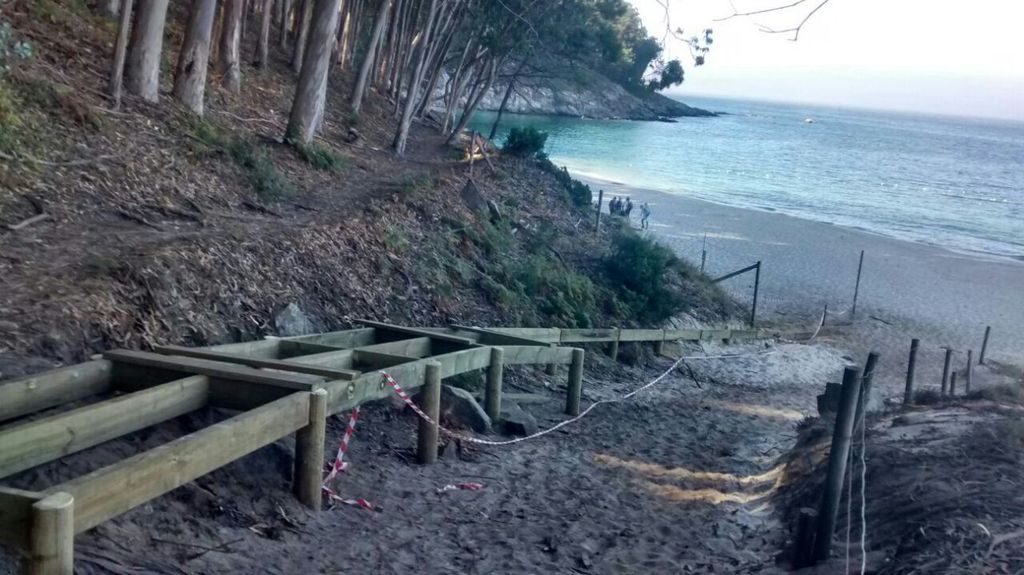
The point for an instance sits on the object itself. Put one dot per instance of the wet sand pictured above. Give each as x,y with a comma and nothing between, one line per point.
907,289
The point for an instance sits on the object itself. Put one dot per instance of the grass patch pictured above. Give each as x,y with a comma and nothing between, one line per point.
10,119
260,171
321,157
58,99
414,185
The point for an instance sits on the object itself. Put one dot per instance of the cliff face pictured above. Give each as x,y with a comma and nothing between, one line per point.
587,95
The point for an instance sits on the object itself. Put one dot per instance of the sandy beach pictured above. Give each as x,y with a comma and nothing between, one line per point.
907,290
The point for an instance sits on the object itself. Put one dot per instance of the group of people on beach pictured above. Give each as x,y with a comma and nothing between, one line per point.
623,207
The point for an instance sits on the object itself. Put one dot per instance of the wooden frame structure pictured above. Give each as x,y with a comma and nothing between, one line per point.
279,387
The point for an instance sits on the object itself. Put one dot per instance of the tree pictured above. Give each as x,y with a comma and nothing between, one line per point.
368,57
311,91
143,67
671,75
263,42
194,57
230,38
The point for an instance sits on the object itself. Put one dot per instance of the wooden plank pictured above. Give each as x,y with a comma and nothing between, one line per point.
43,440
532,355
463,361
278,364
113,490
344,395
547,334
489,337
416,332
682,334
217,369
224,393
347,339
16,515
264,348
289,349
371,360
339,360
587,335
716,334
642,335
415,347
29,394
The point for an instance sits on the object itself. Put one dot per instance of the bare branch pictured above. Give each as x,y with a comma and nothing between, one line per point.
736,14
795,29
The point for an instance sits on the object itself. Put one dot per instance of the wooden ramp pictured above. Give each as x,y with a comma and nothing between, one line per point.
278,387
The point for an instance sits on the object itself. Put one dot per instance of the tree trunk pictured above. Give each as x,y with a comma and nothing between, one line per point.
120,52
302,38
190,76
285,23
230,37
505,98
311,91
402,136
143,70
371,50
467,114
110,8
263,42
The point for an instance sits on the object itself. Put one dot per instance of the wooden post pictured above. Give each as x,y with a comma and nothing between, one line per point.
838,454
572,400
492,393
865,388
803,555
945,370
757,286
426,445
984,345
600,201
52,536
856,287
659,345
908,392
968,376
551,368
952,385
613,349
309,452
704,253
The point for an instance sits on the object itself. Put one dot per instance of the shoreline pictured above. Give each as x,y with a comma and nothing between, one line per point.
598,182
912,289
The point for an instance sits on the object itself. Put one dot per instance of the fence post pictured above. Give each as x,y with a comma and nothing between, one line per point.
309,452
659,345
908,393
757,285
970,372
426,437
704,253
600,200
865,388
856,288
613,348
984,345
52,536
575,388
945,370
551,368
492,393
803,555
952,384
838,454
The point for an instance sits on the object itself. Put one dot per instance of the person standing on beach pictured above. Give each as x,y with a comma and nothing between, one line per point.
645,213
629,207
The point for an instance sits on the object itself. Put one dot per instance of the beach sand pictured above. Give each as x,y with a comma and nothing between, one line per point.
907,289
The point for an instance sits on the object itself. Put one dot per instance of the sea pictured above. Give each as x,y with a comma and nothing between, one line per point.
953,182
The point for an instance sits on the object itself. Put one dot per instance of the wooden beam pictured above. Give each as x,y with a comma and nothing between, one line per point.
113,490
43,440
339,360
546,334
16,515
458,362
415,347
346,339
531,355
372,360
264,348
489,337
344,395
217,369
290,364
416,332
26,395
641,335
587,335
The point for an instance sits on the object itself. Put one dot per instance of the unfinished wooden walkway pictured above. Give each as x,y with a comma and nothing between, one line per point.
278,386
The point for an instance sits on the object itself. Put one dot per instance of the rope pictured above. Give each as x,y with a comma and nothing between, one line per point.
863,502
416,409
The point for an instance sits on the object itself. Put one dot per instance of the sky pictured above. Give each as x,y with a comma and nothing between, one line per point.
955,57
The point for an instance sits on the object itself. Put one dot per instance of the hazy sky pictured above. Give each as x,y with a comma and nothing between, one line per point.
942,56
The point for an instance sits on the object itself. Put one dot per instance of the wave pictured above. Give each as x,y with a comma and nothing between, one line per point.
977,198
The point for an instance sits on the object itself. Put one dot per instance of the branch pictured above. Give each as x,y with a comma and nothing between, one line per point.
796,29
736,14
768,30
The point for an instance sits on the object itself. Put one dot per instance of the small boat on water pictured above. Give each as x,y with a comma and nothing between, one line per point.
810,121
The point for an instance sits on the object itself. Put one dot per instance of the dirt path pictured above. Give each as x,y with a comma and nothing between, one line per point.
675,480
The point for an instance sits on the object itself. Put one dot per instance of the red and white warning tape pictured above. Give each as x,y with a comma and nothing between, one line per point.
462,486
340,465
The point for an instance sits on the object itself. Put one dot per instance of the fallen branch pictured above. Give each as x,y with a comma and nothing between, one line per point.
138,219
260,208
28,222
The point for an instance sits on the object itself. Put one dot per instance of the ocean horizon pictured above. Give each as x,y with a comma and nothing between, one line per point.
947,181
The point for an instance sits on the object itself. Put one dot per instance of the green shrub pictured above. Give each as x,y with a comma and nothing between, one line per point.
566,296
579,193
322,158
639,270
525,142
260,171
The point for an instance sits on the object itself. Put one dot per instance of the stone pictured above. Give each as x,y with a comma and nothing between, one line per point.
495,211
516,421
458,407
472,197
292,321
828,402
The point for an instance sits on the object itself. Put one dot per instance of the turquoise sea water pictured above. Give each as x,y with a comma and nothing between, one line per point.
957,183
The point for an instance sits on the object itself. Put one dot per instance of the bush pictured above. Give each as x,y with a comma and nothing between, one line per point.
260,171
566,296
639,270
579,193
525,142
321,157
